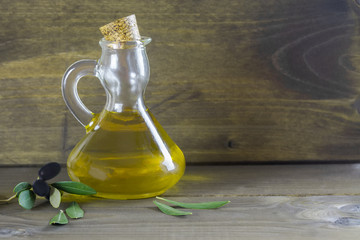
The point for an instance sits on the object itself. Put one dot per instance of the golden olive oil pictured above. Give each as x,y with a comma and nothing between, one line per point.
123,156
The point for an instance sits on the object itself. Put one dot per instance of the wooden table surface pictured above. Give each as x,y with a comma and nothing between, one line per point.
318,201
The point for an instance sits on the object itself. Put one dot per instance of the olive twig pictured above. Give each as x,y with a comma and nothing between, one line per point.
9,199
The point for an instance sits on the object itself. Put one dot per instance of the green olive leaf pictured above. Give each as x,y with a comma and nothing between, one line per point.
59,219
170,210
74,187
202,205
74,211
55,197
21,187
27,199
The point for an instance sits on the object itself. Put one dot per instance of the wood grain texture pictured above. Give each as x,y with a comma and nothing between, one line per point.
231,81
267,202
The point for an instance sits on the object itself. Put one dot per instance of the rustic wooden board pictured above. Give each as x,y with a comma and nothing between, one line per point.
232,81
236,180
267,202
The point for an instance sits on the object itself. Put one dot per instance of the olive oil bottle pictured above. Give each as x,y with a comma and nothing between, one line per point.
125,154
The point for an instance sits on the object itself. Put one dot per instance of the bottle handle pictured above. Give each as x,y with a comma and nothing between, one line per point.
70,94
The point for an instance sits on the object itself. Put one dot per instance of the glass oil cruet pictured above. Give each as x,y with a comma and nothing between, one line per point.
125,153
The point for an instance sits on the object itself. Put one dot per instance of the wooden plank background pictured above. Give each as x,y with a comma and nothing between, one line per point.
231,81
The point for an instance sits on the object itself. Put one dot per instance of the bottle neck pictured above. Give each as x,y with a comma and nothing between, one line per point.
124,74
121,106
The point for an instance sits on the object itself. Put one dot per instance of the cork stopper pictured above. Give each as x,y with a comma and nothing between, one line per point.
123,29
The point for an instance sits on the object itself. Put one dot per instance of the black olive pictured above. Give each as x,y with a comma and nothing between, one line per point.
47,196
49,171
41,188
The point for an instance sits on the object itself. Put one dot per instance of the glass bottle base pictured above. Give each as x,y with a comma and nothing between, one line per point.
128,197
